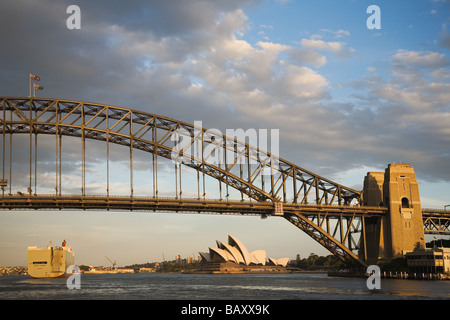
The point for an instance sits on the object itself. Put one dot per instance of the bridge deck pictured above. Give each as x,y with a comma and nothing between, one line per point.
435,221
103,202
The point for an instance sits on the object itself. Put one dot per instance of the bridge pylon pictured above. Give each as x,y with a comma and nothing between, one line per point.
401,230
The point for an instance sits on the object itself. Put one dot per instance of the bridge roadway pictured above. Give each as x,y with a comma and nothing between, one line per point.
435,221
136,203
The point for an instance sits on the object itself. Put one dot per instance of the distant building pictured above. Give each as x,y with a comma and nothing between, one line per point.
436,260
234,257
125,270
146,270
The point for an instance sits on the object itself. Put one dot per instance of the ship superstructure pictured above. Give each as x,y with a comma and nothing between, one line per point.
49,262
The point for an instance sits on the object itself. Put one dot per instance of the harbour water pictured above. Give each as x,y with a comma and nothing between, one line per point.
176,286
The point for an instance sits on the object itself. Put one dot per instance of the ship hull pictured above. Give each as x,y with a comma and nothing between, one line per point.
50,262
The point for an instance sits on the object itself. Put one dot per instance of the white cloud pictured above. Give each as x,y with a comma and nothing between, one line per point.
204,68
308,57
267,26
337,34
428,60
302,82
331,46
308,52
411,112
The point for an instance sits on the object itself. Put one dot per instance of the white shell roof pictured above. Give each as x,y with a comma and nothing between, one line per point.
258,257
235,251
242,249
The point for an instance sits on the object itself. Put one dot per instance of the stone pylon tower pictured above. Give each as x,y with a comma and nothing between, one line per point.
402,229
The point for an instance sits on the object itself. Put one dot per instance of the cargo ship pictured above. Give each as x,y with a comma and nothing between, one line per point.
49,262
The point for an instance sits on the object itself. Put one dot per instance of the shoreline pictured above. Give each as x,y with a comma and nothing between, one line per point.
13,271
396,275
20,271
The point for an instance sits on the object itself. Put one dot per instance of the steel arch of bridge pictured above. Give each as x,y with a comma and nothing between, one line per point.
331,218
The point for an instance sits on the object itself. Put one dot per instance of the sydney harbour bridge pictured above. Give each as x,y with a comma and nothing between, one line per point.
211,173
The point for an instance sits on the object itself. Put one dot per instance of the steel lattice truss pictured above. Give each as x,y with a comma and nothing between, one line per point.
154,134
327,211
342,232
436,221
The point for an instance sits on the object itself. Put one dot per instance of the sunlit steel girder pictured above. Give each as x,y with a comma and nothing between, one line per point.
142,203
436,221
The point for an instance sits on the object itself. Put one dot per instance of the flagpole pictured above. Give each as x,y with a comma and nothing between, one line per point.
29,77
36,78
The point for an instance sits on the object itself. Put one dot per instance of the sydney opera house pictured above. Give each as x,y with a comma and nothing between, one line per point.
234,257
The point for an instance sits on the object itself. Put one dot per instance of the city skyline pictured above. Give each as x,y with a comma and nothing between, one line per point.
345,98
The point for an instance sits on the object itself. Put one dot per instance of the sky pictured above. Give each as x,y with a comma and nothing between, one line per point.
347,99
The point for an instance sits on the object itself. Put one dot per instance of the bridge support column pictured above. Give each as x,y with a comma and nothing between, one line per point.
402,230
